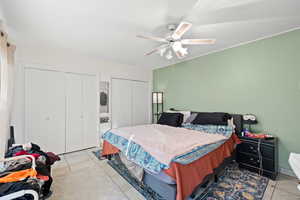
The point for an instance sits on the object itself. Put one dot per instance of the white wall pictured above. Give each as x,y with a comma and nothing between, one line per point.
29,55
63,60
1,14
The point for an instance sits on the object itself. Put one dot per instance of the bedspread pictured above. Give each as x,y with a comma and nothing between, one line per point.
190,175
163,142
137,154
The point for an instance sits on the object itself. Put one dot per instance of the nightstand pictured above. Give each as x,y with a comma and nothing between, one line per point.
248,156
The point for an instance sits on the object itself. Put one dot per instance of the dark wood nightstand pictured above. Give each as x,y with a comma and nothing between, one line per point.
248,156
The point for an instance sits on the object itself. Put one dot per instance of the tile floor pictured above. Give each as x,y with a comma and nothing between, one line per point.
81,176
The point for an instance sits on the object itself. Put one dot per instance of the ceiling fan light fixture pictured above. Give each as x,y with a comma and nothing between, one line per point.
169,55
162,52
172,42
183,52
177,46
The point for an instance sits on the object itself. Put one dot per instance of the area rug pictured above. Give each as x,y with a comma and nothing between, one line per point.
234,184
239,184
98,154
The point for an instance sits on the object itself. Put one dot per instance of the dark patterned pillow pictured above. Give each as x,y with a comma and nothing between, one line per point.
171,119
212,118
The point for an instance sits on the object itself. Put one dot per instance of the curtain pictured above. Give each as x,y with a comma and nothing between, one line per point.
6,88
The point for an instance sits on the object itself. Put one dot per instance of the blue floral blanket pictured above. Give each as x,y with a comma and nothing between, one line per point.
137,154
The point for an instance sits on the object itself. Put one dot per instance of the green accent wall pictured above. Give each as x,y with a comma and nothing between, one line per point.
262,78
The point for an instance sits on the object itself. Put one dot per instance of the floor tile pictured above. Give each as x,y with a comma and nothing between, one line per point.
121,182
86,184
108,169
61,163
79,176
61,171
132,194
270,190
283,195
287,184
60,168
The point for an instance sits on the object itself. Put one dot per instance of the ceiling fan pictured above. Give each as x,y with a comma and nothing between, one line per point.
174,42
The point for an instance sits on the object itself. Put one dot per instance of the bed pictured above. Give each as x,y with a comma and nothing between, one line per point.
179,181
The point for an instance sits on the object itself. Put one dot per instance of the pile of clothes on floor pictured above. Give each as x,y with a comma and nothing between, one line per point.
26,173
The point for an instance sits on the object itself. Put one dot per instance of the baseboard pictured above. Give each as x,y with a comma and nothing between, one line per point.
287,172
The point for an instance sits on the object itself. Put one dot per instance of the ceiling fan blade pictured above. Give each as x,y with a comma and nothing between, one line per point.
181,29
197,41
158,39
157,49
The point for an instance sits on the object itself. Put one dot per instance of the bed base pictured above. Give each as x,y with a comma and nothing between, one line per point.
168,191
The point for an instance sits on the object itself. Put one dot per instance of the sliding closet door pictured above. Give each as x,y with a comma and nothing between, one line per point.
121,103
74,112
140,103
89,84
45,109
130,103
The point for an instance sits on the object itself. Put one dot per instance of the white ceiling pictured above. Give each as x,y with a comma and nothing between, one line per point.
108,29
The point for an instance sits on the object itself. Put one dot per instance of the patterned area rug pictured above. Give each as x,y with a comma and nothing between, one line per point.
237,184
234,184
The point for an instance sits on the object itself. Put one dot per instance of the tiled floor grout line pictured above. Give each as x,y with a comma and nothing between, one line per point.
67,161
273,190
118,186
90,154
110,177
64,159
112,180
69,166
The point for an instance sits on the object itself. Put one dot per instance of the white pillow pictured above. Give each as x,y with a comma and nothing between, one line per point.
186,114
191,118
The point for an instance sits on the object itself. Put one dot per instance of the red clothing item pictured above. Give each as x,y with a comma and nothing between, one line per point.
20,153
42,177
189,176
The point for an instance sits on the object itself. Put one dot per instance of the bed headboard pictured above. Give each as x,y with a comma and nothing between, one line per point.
237,120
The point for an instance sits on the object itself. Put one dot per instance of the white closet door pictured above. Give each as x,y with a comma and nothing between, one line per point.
121,103
90,111
74,113
45,109
140,103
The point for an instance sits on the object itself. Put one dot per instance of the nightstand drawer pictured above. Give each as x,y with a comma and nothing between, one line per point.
252,148
253,161
269,174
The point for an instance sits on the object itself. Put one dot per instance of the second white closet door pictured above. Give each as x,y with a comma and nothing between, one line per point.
74,115
140,102
130,103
